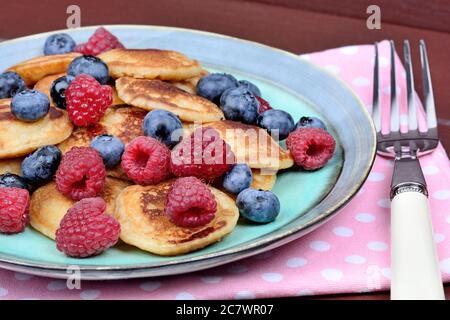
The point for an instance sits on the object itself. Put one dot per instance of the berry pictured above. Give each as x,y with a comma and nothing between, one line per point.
311,147
190,203
87,100
58,90
263,105
81,173
58,44
90,65
14,204
10,84
40,166
258,205
11,180
250,86
203,154
146,161
239,104
213,85
276,122
162,125
30,105
86,230
101,41
110,149
238,178
310,122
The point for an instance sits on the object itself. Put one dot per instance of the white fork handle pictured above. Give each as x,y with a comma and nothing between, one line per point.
415,271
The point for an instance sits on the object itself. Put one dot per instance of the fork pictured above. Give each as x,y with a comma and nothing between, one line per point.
414,264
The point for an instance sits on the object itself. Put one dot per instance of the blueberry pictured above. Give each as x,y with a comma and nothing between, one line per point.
11,180
310,122
10,84
258,205
58,44
238,178
162,125
90,65
30,105
239,104
110,148
58,90
251,87
213,85
276,121
40,166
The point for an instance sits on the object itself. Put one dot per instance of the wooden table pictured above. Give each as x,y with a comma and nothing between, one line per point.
294,25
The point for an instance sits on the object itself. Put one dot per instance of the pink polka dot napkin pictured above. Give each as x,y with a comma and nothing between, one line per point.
348,254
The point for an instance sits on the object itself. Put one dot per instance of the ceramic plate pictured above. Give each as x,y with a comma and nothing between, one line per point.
307,199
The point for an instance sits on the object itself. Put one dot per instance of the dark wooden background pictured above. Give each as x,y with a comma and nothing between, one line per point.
295,25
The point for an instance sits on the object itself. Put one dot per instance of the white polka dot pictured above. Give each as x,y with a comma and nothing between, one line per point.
319,246
386,272
375,176
448,219
296,262
442,194
244,294
377,246
211,279
264,255
383,61
384,203
150,286
430,170
439,237
445,265
333,68
365,217
57,285
90,294
305,292
272,277
361,82
404,119
332,274
184,296
355,259
22,276
350,50
238,269
343,232
3,292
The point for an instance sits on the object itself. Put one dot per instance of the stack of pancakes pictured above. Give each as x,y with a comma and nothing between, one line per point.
144,80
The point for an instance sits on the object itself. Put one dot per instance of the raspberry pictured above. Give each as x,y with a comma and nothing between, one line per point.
86,230
311,147
263,105
81,173
190,203
87,100
14,203
204,155
146,161
101,41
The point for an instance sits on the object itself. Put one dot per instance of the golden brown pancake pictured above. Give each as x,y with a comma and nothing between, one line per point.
140,212
263,180
150,64
48,206
11,166
189,85
156,94
18,138
37,68
5,102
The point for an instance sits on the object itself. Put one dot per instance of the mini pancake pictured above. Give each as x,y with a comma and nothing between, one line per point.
11,166
48,206
37,68
124,122
5,102
150,64
18,138
251,145
263,180
156,94
140,212
190,85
